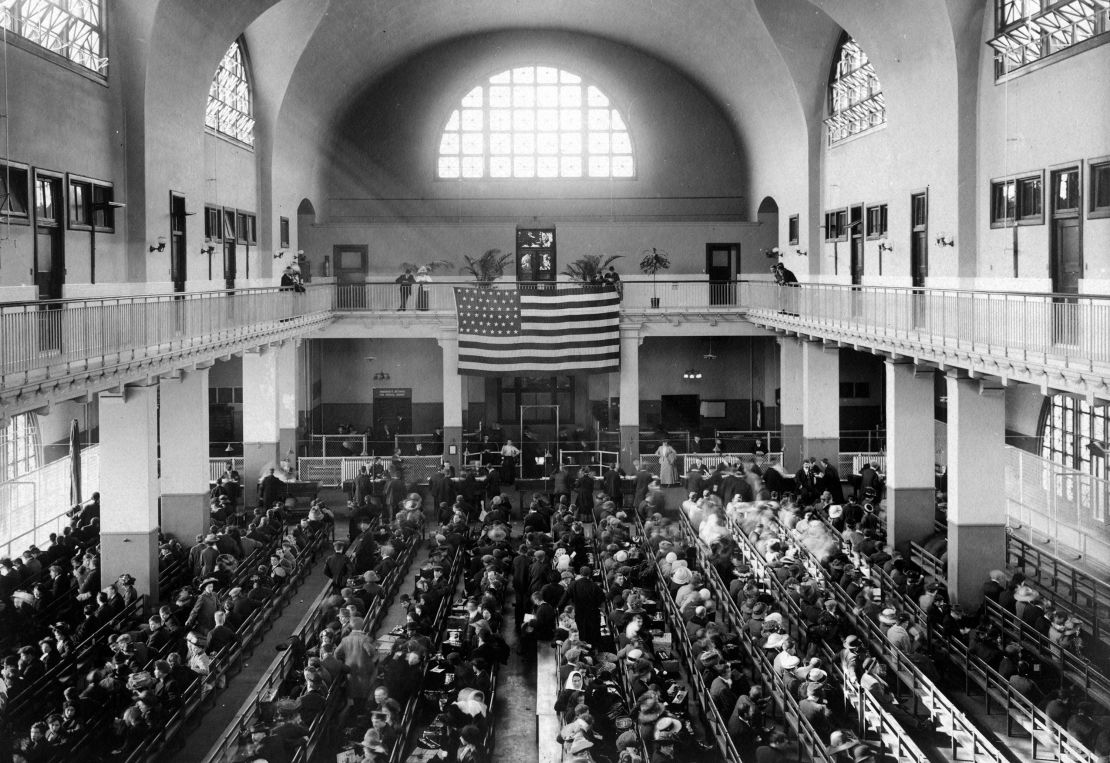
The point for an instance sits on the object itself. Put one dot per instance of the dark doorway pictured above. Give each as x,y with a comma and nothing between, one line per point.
351,263
393,411
178,269
50,260
919,252
855,227
535,254
721,261
1066,254
680,412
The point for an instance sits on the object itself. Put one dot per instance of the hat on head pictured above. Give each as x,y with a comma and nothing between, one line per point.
628,739
836,511
211,538
580,744
667,728
1026,594
816,675
998,576
888,616
206,581
791,661
773,617
775,641
681,576
634,654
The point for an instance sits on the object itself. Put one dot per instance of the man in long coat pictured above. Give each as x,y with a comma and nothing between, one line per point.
358,653
588,599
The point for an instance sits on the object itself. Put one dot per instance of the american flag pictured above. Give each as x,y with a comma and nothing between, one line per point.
544,331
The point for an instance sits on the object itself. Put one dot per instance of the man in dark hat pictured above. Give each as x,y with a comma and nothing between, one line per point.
588,600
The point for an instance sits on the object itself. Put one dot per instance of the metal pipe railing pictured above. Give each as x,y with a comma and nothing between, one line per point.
66,333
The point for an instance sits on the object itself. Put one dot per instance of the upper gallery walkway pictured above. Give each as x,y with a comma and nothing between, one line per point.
69,348
1054,341
66,349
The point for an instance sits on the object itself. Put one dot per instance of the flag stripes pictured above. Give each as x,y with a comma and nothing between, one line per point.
557,330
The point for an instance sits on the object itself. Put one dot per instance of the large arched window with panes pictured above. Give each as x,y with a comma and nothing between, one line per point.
230,108
856,101
1076,433
535,122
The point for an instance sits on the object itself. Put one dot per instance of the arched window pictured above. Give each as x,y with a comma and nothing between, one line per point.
20,450
1075,434
856,102
229,99
73,29
535,122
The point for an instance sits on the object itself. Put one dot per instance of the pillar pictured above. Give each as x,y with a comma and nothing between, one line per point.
820,401
287,408
452,398
910,453
183,434
976,477
261,435
630,396
790,402
129,486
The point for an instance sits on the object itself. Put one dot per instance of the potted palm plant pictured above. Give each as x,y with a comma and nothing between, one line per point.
653,261
590,268
487,268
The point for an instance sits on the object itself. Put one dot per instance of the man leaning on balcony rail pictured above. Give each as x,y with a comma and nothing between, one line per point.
291,279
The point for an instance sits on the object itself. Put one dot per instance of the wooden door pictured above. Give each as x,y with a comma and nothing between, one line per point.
721,261
178,260
50,261
351,263
1066,254
855,227
919,239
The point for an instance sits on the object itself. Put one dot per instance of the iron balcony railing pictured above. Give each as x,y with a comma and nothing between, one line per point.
1071,331
36,336
437,297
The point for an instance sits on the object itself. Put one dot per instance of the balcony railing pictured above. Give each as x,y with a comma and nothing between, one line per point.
685,295
48,334
1059,506
1068,330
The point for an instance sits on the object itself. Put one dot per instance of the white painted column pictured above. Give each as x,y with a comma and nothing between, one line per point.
820,400
129,487
286,371
452,397
790,401
910,453
261,434
630,396
183,425
976,478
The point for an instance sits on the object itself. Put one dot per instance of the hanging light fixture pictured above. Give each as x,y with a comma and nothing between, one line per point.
691,374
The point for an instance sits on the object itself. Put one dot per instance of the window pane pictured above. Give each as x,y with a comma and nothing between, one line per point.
570,166
524,166
229,109
473,99
524,119
547,167
571,142
599,166
448,167
599,143
501,119
1100,186
1067,190
500,167
472,143
472,166
449,143
500,143
547,143
471,119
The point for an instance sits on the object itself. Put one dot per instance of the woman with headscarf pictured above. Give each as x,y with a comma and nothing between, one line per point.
571,695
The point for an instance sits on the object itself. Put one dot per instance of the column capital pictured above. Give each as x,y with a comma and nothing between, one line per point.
447,334
632,331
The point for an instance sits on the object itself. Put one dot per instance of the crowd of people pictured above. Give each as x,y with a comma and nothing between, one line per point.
86,670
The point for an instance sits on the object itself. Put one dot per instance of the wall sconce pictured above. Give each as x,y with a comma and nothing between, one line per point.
207,249
160,246
801,252
691,374
773,253
885,246
279,254
943,239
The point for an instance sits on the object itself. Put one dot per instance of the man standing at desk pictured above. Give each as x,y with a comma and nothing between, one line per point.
271,490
